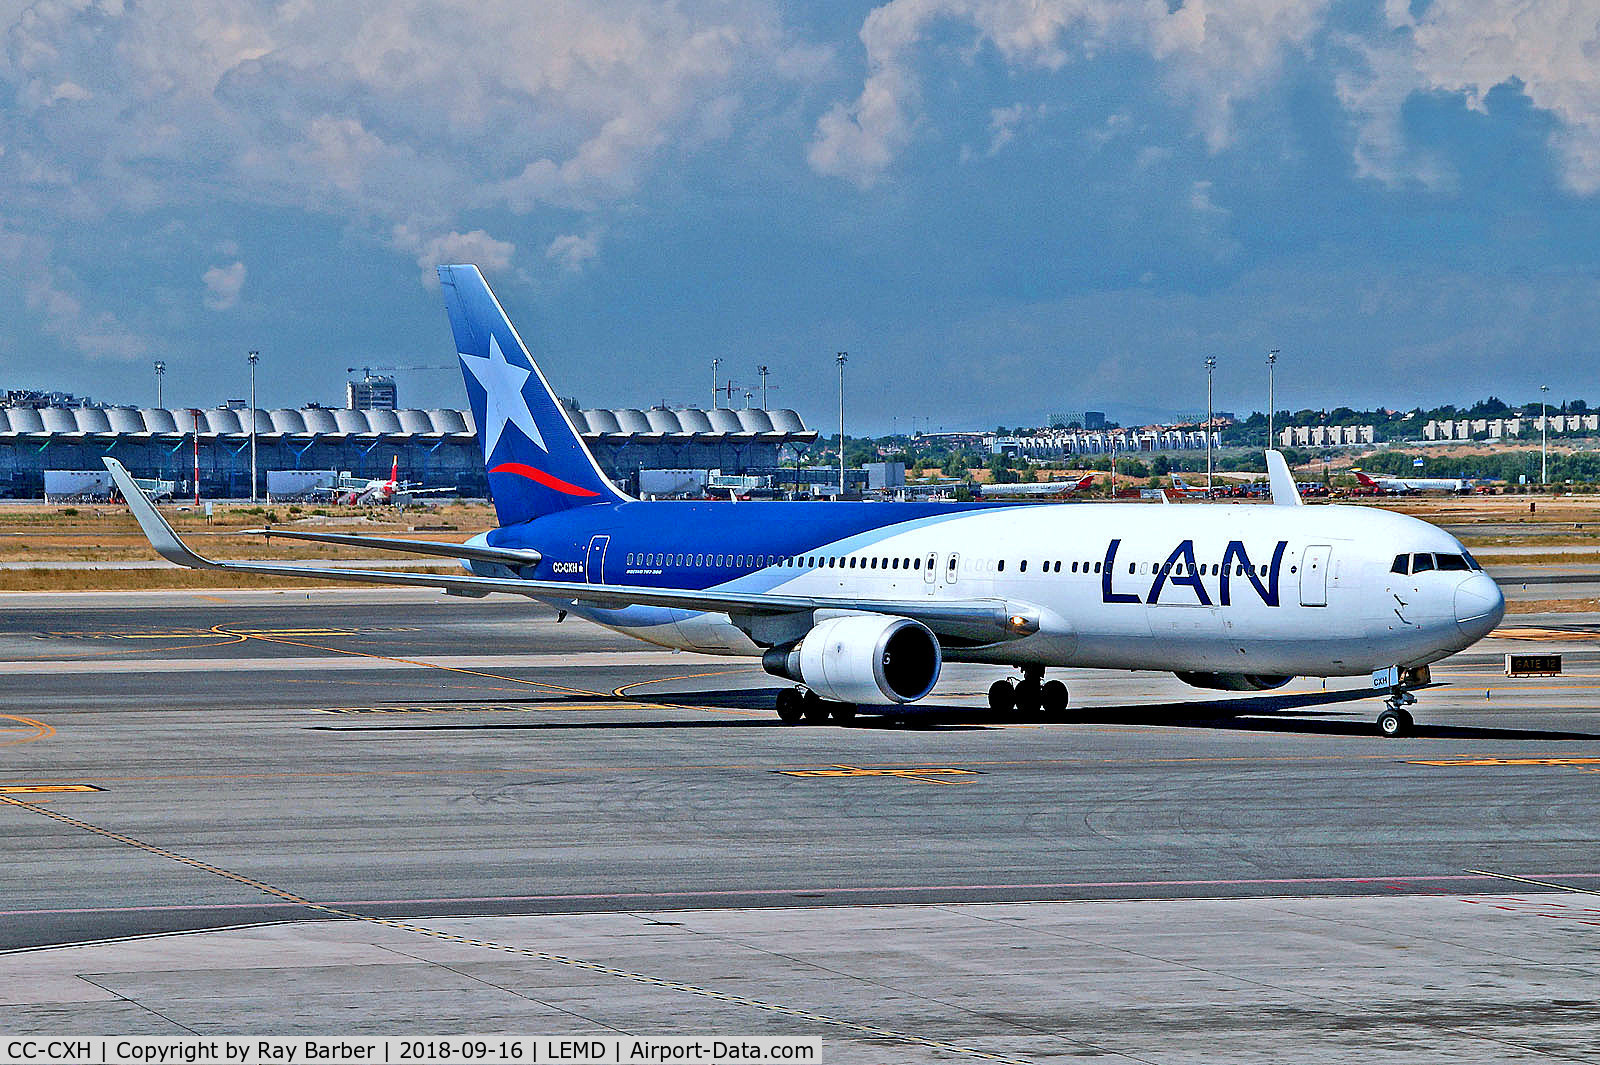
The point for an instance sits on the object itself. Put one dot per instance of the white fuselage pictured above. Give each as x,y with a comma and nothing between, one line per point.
1423,484
1143,587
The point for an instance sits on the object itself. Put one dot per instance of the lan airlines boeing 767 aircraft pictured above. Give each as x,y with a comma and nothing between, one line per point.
862,603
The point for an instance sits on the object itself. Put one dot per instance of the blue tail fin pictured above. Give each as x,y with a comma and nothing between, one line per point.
537,463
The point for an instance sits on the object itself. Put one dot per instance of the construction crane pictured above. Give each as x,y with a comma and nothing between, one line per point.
367,371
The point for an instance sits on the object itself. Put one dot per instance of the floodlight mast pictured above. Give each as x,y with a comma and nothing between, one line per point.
254,356
1544,425
1272,360
1211,365
841,358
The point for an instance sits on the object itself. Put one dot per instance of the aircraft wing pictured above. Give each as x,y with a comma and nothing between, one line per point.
976,620
509,556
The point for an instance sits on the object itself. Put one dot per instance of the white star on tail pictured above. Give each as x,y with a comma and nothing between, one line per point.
504,402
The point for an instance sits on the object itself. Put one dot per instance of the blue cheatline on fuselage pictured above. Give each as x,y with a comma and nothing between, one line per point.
710,531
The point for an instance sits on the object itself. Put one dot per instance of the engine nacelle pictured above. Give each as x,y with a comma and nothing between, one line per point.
1234,682
863,658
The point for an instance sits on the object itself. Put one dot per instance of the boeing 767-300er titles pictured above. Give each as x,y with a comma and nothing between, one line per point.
862,603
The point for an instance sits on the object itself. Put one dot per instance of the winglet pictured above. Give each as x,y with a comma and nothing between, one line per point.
1284,492
151,523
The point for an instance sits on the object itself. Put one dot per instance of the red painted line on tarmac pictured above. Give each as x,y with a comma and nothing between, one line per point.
802,891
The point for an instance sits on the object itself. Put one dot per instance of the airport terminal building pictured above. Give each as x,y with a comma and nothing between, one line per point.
438,448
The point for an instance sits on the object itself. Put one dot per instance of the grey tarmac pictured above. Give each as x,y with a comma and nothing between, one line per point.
1166,875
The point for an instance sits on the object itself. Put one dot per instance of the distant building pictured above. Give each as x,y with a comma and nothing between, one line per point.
1062,443
885,475
1094,419
436,447
371,393
1326,435
1441,429
38,399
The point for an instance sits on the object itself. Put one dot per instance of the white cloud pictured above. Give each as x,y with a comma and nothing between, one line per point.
571,252
67,91
477,247
1213,53
49,291
1003,123
859,141
99,335
1550,49
402,112
1200,200
1218,53
223,284
412,119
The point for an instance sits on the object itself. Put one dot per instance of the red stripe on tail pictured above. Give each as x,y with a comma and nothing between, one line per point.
543,478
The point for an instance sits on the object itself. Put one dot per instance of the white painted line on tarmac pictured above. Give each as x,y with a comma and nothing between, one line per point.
360,663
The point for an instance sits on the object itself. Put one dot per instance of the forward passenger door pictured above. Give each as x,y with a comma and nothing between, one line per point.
1314,575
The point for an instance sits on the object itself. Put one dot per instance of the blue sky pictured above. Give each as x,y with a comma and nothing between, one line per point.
1000,208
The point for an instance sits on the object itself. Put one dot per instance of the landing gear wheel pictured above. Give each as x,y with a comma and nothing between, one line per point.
1002,696
842,713
791,706
814,710
1394,722
1053,697
1027,696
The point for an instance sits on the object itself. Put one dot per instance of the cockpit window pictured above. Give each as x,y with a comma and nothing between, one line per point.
1421,563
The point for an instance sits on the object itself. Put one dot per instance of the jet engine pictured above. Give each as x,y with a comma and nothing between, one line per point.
1234,682
862,658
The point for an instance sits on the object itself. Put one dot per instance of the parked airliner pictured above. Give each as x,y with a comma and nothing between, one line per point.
861,604
380,491
1404,485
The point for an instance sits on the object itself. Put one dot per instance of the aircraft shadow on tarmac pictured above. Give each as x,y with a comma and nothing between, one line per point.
1321,713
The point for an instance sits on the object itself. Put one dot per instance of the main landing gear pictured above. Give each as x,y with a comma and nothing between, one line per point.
1029,695
802,704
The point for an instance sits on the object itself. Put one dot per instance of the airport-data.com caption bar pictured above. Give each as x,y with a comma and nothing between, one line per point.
413,1050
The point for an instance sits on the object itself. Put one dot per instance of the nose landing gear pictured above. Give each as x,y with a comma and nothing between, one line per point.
1394,719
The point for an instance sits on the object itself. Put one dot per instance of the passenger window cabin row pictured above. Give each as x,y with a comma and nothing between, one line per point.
723,561
647,558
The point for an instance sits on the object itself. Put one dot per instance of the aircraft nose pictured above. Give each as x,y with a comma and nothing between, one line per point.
1479,605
